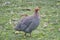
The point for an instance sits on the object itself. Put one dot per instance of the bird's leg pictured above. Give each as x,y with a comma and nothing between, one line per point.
30,34
24,35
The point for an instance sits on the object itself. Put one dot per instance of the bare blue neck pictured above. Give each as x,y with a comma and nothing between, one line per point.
36,14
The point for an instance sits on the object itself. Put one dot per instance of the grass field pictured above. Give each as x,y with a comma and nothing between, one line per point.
49,28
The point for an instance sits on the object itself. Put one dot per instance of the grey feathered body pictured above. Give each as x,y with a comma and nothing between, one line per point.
28,24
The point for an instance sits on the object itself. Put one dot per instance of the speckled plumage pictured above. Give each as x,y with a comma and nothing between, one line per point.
29,23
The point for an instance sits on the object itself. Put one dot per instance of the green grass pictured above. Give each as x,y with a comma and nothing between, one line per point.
49,28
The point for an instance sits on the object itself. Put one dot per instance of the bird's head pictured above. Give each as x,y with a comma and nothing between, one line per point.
37,9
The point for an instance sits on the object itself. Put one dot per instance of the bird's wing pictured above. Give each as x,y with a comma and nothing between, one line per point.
22,25
31,27
26,23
